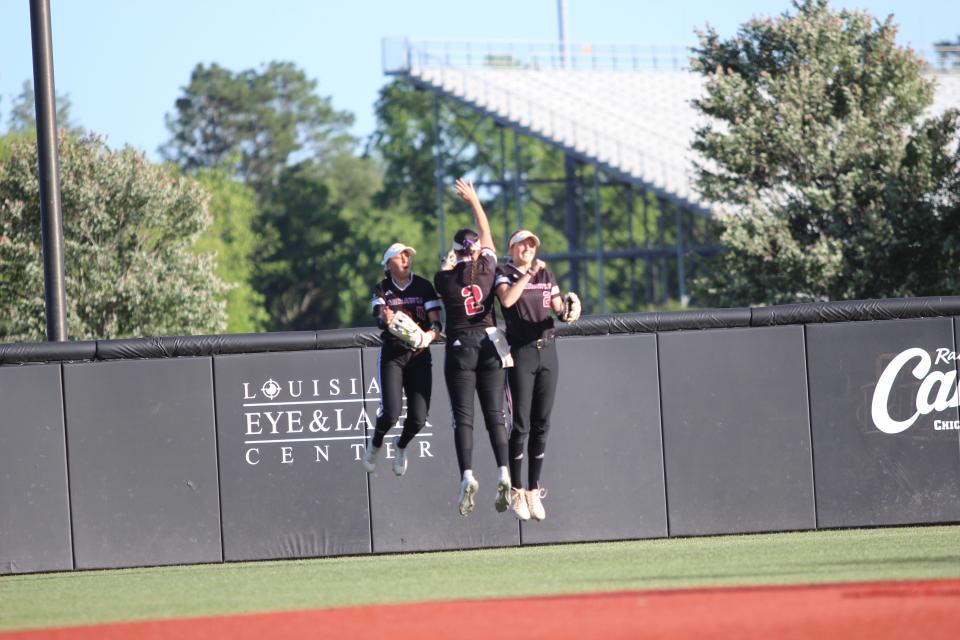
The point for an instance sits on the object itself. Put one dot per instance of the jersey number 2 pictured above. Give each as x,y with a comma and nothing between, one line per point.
471,301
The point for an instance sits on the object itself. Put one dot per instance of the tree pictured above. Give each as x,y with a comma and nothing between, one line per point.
129,232
815,141
232,238
23,113
321,244
253,122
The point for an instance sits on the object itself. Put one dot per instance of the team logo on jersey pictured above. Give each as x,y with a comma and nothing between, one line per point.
937,390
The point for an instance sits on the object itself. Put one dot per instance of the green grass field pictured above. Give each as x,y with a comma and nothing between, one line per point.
83,597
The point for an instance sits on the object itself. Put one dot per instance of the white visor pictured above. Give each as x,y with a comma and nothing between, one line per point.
394,250
522,235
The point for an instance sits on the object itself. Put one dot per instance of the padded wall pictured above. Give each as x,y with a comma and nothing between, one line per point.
603,468
291,430
34,505
735,430
143,462
418,511
864,475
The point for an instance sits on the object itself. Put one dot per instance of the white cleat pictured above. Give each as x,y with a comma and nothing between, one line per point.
534,505
518,504
400,461
503,495
468,489
369,458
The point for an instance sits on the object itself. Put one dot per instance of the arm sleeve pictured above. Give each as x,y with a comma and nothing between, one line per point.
431,300
376,302
554,287
500,278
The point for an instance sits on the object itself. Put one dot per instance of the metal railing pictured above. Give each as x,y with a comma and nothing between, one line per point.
402,55
943,58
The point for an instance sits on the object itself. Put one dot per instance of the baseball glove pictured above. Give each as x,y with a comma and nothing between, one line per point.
571,308
408,331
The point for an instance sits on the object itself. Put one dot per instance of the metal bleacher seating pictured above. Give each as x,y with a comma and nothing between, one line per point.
625,108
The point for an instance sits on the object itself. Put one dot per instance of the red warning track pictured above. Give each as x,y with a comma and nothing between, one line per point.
876,610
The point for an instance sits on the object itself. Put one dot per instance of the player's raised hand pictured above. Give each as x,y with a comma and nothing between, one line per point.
537,265
466,191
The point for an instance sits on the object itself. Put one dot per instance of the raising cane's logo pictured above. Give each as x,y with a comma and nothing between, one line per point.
938,390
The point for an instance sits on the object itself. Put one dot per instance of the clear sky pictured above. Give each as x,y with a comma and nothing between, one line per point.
123,62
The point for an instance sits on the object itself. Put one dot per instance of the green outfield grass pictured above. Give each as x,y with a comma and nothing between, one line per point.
83,597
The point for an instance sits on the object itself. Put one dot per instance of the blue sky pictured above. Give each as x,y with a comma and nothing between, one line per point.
123,62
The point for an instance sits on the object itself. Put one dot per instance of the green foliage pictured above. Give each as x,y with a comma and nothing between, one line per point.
255,122
23,114
232,239
129,232
815,141
322,242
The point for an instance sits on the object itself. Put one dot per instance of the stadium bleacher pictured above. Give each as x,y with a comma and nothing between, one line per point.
617,106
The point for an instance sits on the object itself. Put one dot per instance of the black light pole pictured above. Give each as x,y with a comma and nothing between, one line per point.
51,218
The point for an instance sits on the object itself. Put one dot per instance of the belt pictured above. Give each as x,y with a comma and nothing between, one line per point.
539,343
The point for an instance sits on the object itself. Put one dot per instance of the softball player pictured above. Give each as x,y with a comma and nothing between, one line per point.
404,363
472,361
528,293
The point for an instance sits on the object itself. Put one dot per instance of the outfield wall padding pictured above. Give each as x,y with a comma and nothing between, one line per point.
736,435
866,477
418,512
142,461
28,352
291,429
34,505
604,450
169,450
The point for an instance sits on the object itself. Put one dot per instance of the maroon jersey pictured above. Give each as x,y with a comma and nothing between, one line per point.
531,316
468,306
415,300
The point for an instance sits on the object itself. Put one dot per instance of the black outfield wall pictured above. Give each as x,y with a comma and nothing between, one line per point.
866,476
736,431
418,511
142,461
34,504
189,449
291,429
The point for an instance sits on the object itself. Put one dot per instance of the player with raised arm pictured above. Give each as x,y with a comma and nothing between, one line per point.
408,310
473,362
528,293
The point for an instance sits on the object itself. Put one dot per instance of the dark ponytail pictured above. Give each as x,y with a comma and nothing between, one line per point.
472,278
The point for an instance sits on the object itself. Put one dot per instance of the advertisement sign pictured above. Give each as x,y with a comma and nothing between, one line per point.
883,407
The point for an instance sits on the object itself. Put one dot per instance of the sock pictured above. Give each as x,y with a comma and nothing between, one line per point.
468,474
504,474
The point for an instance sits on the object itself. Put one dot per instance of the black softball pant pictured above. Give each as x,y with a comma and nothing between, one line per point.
402,370
468,368
533,386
